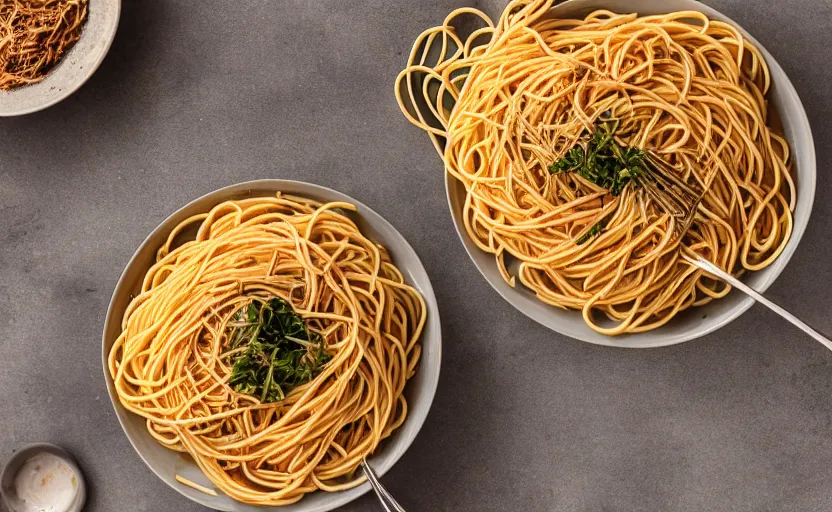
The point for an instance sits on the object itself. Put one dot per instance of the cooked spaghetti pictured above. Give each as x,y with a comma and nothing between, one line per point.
171,363
506,102
34,35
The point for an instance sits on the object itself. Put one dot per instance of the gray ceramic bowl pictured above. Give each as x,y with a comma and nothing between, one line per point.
74,68
694,322
19,459
419,390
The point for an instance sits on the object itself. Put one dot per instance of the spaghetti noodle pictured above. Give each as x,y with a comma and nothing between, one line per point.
169,364
504,103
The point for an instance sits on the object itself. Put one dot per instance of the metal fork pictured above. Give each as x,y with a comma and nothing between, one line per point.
675,197
384,496
681,200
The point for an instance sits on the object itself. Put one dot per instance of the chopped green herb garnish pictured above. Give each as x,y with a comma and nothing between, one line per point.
601,160
593,231
572,161
271,350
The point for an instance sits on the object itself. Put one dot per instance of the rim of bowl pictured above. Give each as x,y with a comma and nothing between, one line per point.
75,85
770,273
396,445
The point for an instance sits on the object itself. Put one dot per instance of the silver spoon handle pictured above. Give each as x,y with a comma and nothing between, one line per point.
386,499
710,268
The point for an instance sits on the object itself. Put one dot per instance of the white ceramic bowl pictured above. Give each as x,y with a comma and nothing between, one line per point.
75,68
16,462
694,322
419,390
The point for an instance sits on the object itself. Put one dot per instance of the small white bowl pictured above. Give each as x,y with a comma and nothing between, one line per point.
74,68
694,322
419,390
7,478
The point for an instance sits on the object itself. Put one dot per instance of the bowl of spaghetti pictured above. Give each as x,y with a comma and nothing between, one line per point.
50,48
266,338
545,119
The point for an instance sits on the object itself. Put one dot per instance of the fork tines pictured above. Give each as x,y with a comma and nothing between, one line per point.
677,198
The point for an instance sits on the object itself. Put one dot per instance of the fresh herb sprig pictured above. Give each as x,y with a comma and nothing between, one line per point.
601,160
596,229
271,350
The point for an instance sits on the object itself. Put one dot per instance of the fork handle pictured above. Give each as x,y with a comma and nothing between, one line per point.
386,499
710,268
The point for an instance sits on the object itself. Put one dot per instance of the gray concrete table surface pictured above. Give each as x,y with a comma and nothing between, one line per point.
198,95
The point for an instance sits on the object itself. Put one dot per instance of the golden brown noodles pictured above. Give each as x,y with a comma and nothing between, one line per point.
168,364
690,88
34,35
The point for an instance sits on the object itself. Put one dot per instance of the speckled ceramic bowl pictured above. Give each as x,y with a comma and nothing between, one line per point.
75,68
17,461
419,390
694,322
